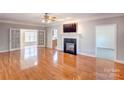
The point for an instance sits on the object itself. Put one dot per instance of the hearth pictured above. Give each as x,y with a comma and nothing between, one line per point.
70,46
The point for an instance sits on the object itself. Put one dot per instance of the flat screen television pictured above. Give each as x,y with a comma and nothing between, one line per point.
69,28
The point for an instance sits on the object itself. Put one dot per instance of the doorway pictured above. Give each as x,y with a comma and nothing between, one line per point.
106,41
19,38
28,37
54,38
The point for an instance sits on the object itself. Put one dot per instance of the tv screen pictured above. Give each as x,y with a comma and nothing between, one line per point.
67,28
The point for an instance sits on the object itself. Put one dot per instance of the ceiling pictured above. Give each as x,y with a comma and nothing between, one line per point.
35,18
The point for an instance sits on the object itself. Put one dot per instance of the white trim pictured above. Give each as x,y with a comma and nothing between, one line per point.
75,36
115,40
10,37
44,39
59,49
20,23
89,19
48,47
85,54
41,46
89,55
27,30
38,24
51,38
3,51
119,61
80,53
15,49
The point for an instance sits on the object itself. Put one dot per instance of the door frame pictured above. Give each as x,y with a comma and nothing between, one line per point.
115,31
10,37
28,30
44,38
52,38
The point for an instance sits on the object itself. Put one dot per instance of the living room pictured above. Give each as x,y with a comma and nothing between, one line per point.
65,46
69,46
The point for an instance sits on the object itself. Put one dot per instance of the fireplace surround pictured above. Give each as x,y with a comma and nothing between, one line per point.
70,45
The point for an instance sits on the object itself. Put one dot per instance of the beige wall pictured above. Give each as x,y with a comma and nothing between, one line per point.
87,36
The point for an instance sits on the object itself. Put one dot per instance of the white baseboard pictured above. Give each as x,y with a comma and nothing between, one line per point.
85,54
80,53
15,49
48,47
41,46
3,51
59,49
119,61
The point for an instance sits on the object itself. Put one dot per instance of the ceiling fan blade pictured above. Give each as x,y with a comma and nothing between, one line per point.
51,18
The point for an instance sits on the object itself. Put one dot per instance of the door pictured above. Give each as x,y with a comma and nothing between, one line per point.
14,39
106,41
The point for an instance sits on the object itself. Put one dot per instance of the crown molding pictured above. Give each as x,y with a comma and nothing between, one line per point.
88,19
19,23
58,23
103,17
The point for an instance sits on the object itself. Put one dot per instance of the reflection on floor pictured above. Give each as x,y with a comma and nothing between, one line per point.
106,53
28,57
47,64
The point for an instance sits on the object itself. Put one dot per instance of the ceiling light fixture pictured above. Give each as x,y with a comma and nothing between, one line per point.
47,18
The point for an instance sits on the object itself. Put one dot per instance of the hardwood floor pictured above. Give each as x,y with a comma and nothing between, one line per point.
48,64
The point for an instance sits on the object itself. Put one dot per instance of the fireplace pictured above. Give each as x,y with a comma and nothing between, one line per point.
70,46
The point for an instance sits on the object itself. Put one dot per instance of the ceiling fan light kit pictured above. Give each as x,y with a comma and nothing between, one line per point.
48,19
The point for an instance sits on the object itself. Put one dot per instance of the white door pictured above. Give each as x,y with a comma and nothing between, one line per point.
14,39
106,41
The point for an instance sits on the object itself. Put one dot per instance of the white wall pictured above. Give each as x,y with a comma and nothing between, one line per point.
105,36
87,35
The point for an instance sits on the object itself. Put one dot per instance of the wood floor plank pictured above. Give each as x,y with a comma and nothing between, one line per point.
56,65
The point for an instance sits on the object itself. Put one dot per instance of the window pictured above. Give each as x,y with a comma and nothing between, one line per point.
31,36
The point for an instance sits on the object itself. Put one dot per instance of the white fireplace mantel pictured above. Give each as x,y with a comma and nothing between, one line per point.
71,35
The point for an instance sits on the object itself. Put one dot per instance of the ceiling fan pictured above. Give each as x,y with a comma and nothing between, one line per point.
46,18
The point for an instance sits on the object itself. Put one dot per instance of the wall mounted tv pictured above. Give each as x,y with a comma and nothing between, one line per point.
70,28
